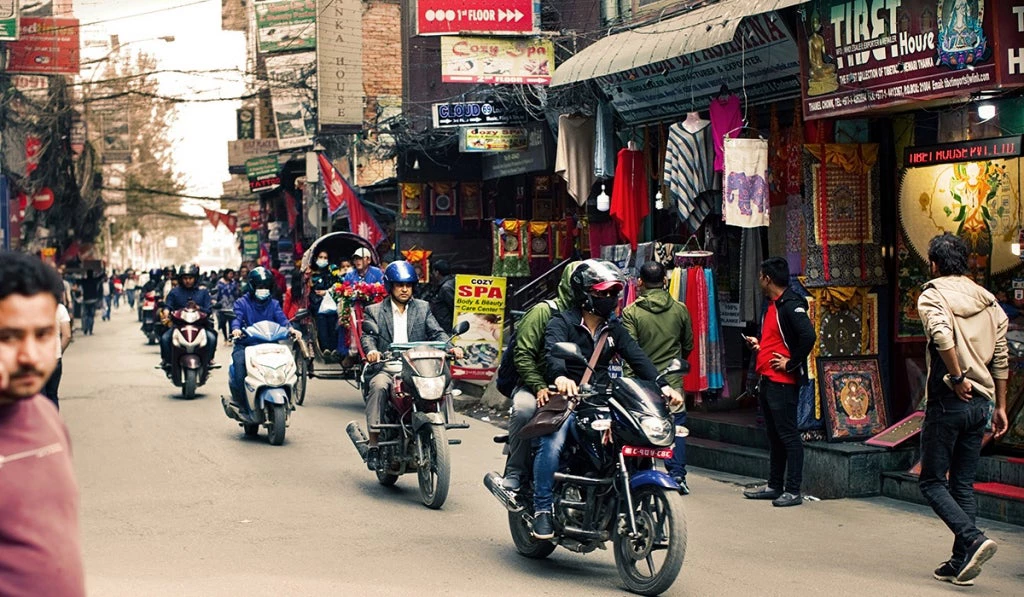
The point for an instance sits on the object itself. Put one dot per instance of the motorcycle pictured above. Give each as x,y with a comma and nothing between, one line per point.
269,382
414,427
189,368
608,488
150,318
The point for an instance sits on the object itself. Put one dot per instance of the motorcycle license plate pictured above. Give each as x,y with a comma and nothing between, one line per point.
638,452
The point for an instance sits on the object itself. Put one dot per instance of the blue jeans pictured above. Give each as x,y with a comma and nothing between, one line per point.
327,330
236,381
546,465
88,316
677,466
106,307
951,442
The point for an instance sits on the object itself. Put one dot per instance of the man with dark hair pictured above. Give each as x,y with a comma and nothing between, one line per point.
662,328
39,542
968,365
787,337
442,303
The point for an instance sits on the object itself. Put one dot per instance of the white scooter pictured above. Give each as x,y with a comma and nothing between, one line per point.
269,382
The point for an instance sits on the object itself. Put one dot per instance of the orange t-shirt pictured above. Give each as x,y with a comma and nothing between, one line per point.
771,343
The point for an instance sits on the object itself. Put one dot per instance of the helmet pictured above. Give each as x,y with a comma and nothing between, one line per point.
400,272
155,273
258,278
594,275
189,270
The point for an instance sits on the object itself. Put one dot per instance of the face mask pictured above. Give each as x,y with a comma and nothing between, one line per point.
262,294
321,263
604,306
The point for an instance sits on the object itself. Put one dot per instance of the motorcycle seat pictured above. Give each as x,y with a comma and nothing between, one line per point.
501,439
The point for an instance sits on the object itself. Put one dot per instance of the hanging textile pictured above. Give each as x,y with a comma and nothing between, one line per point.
620,255
411,217
420,260
726,120
745,183
778,154
471,202
673,284
751,257
561,239
794,175
663,253
644,253
696,380
442,199
689,169
540,240
510,258
604,140
601,235
630,197
796,235
574,157
716,373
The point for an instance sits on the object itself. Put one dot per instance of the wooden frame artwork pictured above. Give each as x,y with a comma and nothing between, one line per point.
853,403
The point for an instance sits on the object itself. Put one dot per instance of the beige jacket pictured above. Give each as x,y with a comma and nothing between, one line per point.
957,312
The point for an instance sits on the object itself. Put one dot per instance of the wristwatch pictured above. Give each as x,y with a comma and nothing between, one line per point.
958,380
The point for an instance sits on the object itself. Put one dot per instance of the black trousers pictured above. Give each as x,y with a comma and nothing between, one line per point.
50,389
786,448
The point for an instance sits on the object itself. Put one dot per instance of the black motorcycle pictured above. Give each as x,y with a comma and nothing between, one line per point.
608,488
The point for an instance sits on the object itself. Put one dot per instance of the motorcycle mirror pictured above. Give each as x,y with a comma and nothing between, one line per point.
460,329
370,327
567,351
300,315
676,366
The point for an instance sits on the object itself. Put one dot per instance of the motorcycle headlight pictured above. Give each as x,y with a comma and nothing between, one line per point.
275,377
429,388
657,430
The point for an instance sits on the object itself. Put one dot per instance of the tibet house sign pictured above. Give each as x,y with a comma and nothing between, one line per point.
495,17
862,54
966,151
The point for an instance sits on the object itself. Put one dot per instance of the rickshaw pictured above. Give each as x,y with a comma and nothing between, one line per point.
310,358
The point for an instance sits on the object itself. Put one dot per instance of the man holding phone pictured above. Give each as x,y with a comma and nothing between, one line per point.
787,337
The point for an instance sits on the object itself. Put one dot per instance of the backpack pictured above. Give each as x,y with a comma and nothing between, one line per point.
507,378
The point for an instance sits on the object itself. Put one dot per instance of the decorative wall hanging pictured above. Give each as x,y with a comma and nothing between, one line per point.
900,432
471,207
842,213
510,256
912,273
1014,438
420,260
851,390
846,322
442,199
543,208
745,183
540,240
411,217
977,201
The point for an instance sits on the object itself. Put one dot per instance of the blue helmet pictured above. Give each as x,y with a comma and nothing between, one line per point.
400,272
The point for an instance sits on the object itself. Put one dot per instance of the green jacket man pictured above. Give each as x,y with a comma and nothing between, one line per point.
660,324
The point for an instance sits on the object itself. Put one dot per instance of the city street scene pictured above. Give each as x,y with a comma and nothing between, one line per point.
557,297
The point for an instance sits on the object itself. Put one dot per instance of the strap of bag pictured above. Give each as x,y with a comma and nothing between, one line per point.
598,348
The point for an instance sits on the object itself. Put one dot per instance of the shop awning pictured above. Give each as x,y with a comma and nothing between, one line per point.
694,31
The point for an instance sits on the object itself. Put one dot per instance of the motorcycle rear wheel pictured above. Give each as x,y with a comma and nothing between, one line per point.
522,536
188,388
278,420
662,529
301,373
436,475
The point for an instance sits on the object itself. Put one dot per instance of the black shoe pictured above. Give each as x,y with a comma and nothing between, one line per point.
978,553
373,458
543,527
511,482
762,493
684,489
947,573
788,499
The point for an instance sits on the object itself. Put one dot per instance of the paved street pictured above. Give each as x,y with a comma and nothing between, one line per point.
176,502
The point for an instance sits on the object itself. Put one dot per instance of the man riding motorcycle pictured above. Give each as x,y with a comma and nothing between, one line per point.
399,319
255,306
178,298
596,285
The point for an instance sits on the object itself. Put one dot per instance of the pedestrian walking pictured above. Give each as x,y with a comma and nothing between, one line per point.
787,337
131,285
661,326
39,538
92,296
63,340
108,293
968,365
442,303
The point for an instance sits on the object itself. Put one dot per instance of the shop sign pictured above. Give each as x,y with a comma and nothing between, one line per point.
251,246
116,145
292,78
473,113
262,173
1009,21
965,151
493,138
45,46
245,123
339,63
500,17
538,157
243,150
286,25
865,54
762,61
491,60
479,300
8,20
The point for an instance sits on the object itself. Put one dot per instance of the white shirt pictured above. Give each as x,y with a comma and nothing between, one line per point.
62,317
401,335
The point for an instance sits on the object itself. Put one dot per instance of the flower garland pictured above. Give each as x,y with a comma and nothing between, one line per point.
347,294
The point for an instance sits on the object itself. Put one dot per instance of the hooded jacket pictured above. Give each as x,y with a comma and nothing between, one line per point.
957,313
662,328
797,331
529,350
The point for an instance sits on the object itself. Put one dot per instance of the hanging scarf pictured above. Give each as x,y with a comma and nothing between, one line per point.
716,375
696,380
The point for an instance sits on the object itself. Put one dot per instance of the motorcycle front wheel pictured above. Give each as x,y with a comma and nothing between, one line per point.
649,563
435,471
188,389
278,420
301,373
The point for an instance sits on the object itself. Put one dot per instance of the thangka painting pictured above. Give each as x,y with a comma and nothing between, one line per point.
841,210
411,217
845,320
912,273
851,394
977,201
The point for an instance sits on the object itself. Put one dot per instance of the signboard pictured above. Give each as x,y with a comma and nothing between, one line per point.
245,123
524,61
862,55
966,151
480,300
42,200
45,46
538,157
1008,16
262,173
115,143
339,59
493,138
292,78
285,25
8,20
474,113
250,246
447,17
241,151
761,59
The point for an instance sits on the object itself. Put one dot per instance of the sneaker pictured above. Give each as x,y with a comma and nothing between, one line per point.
543,526
511,482
788,499
978,553
684,489
947,573
762,493
373,458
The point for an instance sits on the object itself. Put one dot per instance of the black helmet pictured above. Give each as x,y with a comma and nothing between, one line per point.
594,275
259,278
189,270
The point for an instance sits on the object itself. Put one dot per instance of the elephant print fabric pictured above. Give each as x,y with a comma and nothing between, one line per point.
745,183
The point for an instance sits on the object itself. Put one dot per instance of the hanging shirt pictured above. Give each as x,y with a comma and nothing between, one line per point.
745,201
772,342
574,158
689,164
726,119
629,195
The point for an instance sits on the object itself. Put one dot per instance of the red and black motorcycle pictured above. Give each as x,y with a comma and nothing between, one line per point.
151,326
190,367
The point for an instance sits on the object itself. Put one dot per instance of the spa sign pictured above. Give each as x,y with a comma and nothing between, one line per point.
480,301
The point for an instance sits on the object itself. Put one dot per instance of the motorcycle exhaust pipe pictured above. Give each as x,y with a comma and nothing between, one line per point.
492,481
355,433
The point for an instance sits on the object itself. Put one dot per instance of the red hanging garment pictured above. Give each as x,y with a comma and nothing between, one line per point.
629,195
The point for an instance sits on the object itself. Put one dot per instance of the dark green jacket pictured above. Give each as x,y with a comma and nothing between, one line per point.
662,328
529,353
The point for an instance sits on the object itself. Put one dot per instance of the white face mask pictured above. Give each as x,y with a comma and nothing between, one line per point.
321,263
263,294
